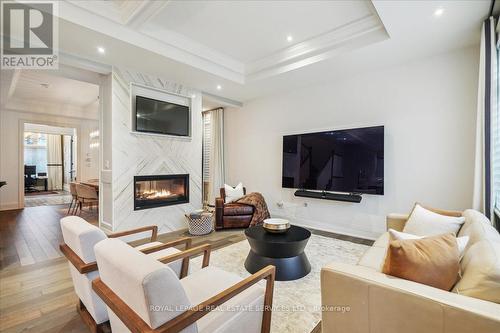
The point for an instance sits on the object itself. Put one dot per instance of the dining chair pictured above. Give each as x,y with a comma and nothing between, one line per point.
144,295
74,196
80,237
87,195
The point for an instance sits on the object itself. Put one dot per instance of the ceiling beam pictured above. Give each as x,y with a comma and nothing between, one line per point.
223,101
10,78
79,13
144,13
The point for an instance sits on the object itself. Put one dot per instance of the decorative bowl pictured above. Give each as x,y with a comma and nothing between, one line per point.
276,225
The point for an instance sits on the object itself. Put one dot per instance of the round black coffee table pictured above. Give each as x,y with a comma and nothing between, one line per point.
285,251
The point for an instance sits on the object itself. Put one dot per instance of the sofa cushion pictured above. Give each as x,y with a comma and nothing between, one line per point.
237,221
478,227
233,209
472,215
423,222
433,261
481,272
374,257
383,240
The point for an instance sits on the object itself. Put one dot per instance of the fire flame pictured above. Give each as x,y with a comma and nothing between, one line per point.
156,194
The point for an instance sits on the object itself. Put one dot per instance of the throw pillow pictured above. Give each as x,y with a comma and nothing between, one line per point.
478,227
233,193
397,235
481,272
433,261
423,222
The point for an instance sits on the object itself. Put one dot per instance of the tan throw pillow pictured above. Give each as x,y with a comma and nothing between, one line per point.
433,261
398,235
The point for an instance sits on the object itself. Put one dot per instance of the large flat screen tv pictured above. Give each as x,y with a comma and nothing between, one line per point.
160,117
350,160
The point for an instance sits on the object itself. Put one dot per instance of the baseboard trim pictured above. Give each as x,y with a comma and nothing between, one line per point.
9,206
106,225
340,231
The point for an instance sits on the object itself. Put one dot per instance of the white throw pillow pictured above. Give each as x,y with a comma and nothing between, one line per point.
233,193
397,235
423,222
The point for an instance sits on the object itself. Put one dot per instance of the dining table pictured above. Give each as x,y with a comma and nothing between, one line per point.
91,182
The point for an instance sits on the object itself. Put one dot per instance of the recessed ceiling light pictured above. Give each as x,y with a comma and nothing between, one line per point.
219,87
438,12
193,96
101,50
289,38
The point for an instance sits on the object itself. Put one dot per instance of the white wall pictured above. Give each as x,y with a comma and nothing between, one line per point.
139,154
428,109
10,149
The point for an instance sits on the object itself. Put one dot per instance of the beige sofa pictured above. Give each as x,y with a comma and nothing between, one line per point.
359,298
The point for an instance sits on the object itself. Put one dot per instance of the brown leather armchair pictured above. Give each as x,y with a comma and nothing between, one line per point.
231,215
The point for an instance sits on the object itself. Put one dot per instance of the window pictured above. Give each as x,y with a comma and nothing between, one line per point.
35,150
207,143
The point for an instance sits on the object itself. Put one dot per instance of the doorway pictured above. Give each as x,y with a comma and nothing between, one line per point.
50,164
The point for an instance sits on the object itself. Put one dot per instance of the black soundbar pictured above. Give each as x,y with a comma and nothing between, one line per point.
348,197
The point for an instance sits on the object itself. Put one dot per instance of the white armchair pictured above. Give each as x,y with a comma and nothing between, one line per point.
148,296
80,237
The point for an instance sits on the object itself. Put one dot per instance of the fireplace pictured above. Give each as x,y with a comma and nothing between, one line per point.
160,190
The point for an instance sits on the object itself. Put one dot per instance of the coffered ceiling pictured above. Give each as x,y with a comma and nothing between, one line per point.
247,49
237,40
256,32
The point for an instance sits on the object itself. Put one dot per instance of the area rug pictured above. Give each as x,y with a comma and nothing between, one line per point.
31,194
297,302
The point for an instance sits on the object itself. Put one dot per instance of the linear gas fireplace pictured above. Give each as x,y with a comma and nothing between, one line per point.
160,190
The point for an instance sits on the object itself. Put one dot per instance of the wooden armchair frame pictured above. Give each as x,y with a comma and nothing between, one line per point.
153,228
136,325
84,267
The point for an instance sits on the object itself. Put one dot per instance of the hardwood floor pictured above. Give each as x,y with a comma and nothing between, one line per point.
32,235
39,298
36,290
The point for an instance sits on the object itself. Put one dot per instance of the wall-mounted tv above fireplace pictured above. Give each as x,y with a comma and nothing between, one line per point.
161,117
159,112
350,160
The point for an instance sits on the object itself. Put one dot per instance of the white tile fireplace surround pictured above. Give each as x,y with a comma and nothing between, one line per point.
145,155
